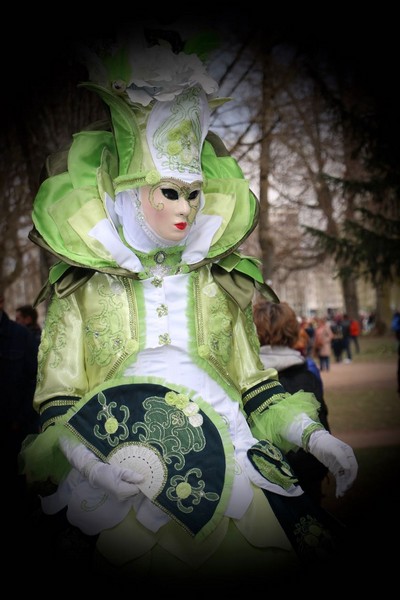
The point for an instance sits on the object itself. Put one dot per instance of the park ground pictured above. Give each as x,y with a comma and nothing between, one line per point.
364,411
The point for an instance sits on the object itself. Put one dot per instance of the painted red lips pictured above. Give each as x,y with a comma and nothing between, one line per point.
181,226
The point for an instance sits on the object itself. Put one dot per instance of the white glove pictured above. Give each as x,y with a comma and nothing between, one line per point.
337,456
110,478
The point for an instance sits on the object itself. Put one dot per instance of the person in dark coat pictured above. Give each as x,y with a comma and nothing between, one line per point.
28,315
18,368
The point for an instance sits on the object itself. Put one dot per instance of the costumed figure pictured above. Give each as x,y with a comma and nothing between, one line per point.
162,430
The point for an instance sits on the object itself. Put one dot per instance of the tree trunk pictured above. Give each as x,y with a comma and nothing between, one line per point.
350,297
265,238
383,309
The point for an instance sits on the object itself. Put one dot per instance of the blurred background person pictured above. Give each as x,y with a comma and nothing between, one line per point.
345,325
310,330
323,344
337,340
18,369
303,341
27,315
278,331
355,330
395,327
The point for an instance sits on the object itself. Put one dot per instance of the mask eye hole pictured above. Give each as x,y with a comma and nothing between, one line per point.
170,194
193,195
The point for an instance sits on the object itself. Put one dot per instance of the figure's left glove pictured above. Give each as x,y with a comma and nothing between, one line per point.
110,478
337,456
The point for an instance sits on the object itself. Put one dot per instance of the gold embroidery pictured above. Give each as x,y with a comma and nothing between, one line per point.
262,388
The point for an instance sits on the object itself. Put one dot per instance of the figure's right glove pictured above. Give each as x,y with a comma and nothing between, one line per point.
112,479
337,456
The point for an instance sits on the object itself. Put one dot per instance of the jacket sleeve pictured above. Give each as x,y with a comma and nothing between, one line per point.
272,414
270,411
61,378
61,383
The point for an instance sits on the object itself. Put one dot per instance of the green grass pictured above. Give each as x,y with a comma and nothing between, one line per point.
376,348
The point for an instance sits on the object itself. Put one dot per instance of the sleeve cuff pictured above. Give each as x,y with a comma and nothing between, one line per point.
300,430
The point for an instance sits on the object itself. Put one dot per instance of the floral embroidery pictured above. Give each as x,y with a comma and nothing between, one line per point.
220,341
251,329
169,429
104,331
181,489
177,140
162,310
54,337
312,537
270,463
165,436
157,282
111,424
164,339
190,409
117,288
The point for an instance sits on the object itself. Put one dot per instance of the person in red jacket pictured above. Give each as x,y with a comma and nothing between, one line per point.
355,331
